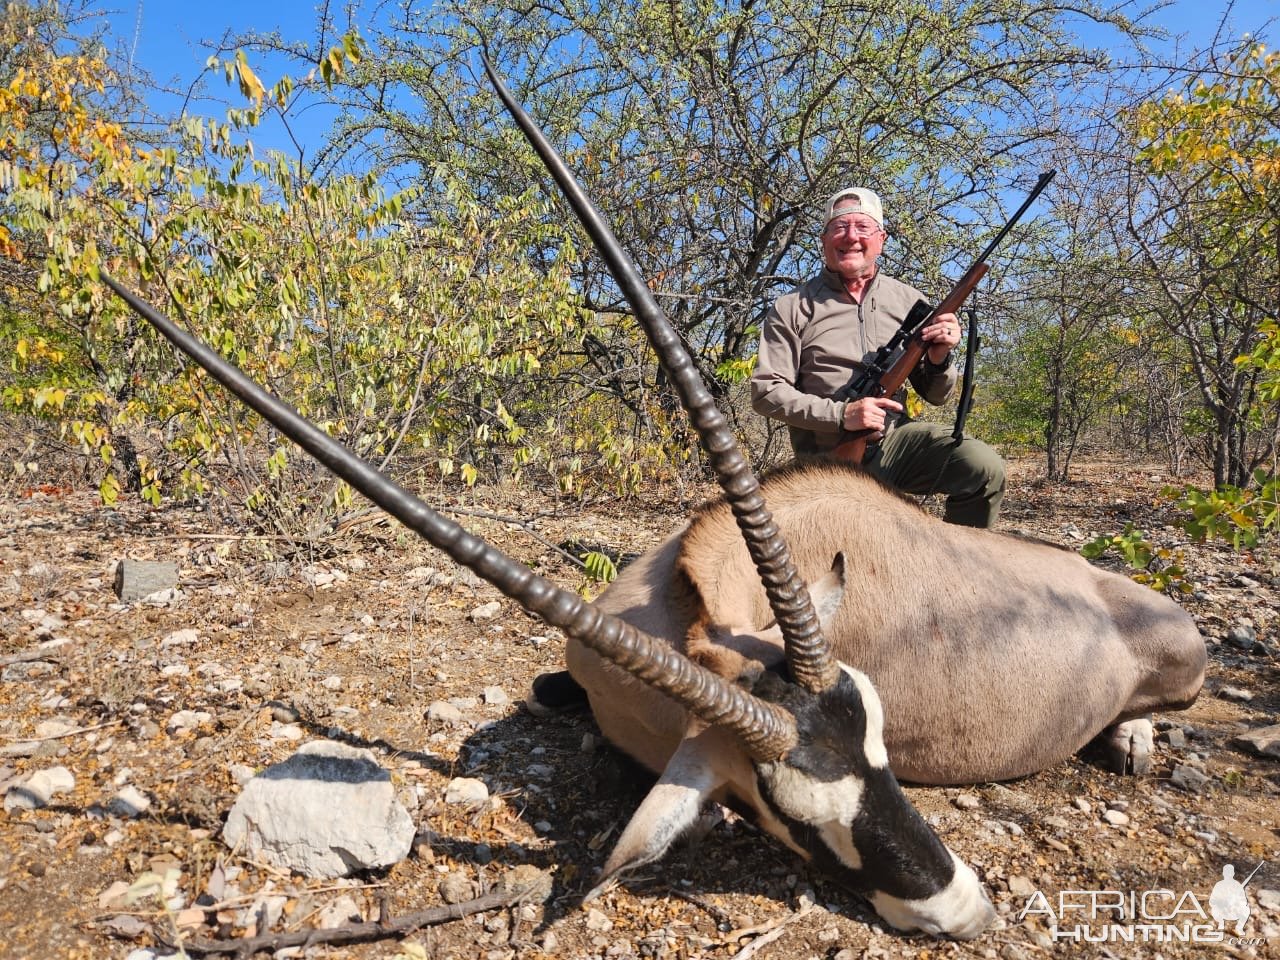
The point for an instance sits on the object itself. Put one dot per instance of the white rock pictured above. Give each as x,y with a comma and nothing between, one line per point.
1020,886
466,791
327,811
38,789
185,720
286,731
1117,818
487,611
967,801
181,638
443,712
54,728
598,922
112,898
129,803
495,696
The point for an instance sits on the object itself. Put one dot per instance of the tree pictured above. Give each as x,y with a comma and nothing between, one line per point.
1204,211
392,334
710,134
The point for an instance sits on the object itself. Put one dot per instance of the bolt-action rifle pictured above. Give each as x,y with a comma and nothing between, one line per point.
875,380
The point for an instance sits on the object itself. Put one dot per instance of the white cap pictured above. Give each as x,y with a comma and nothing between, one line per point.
854,200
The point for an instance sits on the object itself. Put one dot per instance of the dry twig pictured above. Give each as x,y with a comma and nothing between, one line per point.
759,943
27,656
380,929
66,733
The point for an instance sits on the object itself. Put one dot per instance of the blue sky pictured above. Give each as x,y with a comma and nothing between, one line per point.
172,39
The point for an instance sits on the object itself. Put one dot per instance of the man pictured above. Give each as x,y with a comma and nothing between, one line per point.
818,336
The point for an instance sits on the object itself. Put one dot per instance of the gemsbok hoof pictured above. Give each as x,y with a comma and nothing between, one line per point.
1128,746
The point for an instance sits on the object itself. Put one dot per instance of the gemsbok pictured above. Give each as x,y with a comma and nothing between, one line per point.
707,661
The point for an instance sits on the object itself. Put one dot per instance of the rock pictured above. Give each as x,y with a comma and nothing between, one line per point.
181,638
1242,636
443,712
598,922
486,611
287,731
1020,886
189,917
327,811
1117,818
1188,778
38,789
185,720
262,914
966,801
341,912
1083,804
526,876
1268,899
1235,694
136,579
130,802
495,696
1175,738
466,791
113,898
1264,741
456,888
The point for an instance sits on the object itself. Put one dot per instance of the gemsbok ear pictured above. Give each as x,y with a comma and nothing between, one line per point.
827,592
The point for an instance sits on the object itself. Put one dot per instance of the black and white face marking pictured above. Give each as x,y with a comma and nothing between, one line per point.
834,796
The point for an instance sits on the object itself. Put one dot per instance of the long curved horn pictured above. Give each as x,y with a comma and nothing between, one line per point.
766,730
808,653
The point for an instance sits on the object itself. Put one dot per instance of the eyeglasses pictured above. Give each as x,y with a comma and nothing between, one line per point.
862,231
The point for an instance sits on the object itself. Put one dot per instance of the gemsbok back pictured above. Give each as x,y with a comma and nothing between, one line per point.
708,662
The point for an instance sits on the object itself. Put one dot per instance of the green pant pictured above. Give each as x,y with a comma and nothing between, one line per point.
921,458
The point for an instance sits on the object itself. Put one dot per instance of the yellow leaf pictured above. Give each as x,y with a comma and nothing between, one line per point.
250,85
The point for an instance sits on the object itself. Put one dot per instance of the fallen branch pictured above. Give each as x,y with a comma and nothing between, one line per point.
776,929
26,656
381,929
65,733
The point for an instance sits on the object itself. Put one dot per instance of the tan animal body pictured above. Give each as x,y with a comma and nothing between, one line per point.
994,656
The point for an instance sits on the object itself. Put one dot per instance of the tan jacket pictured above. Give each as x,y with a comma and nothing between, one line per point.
815,339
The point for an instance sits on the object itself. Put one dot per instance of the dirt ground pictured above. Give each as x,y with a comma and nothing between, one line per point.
358,640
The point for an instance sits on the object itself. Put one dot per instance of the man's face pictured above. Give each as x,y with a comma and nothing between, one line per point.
851,244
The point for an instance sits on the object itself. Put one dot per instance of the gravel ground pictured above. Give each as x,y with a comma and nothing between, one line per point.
155,713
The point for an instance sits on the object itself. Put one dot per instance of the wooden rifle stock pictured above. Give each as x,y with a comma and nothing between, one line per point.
853,448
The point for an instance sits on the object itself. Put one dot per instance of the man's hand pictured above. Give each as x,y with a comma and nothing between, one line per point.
942,334
868,414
